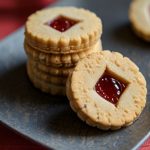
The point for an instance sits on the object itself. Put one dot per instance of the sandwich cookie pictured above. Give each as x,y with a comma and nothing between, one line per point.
111,92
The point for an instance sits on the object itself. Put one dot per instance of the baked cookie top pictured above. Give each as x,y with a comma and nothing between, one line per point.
139,15
80,27
107,90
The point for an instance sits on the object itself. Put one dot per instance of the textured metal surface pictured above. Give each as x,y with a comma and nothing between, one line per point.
50,120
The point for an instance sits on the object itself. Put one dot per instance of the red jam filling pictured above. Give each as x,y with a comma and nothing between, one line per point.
62,23
110,88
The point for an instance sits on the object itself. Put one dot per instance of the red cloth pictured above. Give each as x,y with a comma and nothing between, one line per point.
13,14
10,140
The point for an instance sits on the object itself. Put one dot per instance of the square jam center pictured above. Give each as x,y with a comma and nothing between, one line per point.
110,87
62,23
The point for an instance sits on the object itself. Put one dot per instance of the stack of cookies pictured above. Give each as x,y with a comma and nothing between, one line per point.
55,40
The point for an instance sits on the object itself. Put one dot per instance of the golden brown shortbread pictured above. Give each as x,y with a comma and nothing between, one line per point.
93,108
58,59
58,80
56,71
41,36
52,89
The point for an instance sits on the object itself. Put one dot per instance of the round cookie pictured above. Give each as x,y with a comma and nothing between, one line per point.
61,71
104,78
58,59
52,89
64,50
45,76
40,31
139,15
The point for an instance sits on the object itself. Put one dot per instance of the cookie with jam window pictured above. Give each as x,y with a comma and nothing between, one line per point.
107,90
45,86
62,30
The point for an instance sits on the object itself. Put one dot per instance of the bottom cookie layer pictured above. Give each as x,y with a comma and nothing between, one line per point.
44,86
93,108
59,60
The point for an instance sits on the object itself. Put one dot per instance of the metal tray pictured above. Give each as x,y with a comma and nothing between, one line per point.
48,119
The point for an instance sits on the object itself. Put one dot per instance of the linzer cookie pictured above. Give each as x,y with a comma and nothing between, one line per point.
111,92
139,15
45,76
56,30
55,40
57,59
44,86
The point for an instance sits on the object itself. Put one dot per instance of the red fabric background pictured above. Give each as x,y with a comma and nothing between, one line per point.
13,14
